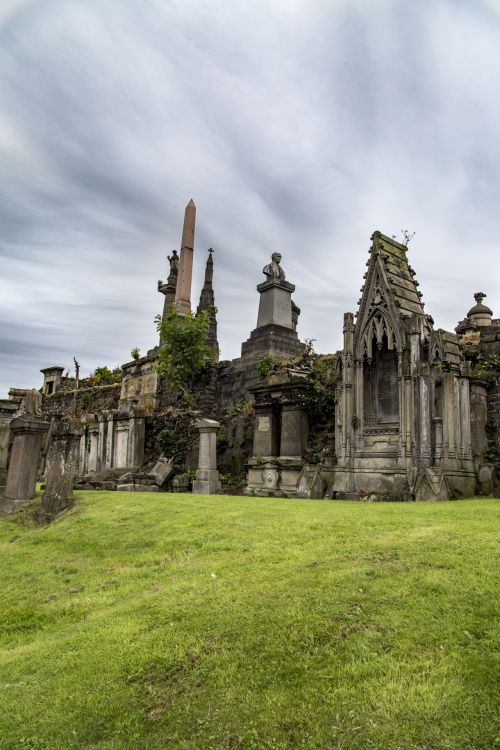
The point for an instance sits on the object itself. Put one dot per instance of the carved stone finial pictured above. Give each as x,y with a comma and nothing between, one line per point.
479,296
273,270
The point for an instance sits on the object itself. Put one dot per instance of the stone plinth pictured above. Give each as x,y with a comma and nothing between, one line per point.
207,477
273,340
275,305
25,456
275,334
62,465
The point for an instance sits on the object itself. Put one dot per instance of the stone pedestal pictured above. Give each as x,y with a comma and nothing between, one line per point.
275,305
207,477
23,466
275,334
62,465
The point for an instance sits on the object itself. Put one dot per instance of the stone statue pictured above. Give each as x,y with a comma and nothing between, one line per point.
174,262
33,403
273,270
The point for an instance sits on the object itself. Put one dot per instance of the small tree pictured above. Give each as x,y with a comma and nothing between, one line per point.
105,376
184,353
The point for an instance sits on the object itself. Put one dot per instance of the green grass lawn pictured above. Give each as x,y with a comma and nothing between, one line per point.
181,621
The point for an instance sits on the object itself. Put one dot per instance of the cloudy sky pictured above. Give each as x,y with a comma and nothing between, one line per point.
295,125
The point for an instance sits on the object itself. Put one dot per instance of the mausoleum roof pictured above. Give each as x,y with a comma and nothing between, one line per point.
400,275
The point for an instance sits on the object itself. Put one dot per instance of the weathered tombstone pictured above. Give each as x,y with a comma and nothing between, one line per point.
162,470
27,433
207,477
180,483
61,467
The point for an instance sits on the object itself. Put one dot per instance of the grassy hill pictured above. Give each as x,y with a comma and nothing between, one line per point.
143,621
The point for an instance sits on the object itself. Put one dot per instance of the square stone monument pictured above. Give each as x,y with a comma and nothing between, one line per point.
27,430
207,477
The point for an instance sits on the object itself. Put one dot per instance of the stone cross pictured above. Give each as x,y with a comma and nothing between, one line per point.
207,477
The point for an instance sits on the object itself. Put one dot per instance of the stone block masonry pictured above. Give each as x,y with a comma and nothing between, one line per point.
28,431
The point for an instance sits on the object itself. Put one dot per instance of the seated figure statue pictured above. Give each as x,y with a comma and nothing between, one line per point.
273,269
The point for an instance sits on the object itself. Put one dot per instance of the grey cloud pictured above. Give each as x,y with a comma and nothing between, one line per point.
300,126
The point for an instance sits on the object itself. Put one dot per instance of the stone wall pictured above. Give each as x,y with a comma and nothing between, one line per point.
234,383
89,400
493,424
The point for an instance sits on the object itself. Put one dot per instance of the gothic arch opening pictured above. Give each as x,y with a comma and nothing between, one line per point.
381,386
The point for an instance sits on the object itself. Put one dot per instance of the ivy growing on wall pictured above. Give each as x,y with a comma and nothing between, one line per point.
177,436
184,353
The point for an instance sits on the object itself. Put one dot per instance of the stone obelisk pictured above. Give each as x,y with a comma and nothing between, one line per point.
183,290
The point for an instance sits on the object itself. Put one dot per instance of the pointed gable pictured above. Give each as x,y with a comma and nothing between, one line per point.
390,294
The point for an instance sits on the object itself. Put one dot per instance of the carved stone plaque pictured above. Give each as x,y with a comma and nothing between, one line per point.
264,424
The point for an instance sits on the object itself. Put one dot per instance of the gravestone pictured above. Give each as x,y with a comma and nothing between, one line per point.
61,466
27,431
162,470
207,477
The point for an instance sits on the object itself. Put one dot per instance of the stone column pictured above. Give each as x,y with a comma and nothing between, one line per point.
448,417
478,417
425,421
23,466
207,477
62,465
438,440
136,434
183,290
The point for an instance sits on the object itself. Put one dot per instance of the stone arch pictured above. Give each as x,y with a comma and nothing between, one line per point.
381,400
375,329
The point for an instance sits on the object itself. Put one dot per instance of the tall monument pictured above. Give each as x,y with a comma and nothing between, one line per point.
276,333
207,301
183,290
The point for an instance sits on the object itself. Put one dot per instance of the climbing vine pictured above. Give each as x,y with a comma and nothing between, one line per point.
177,436
185,353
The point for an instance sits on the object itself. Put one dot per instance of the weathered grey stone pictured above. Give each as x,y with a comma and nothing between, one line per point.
485,479
180,483
61,468
162,471
310,483
25,456
183,289
207,477
275,305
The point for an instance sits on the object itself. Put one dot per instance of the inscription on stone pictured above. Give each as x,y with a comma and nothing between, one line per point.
264,424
